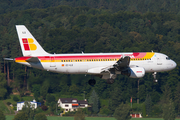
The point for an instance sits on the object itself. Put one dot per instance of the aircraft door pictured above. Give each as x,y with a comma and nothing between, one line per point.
52,62
159,60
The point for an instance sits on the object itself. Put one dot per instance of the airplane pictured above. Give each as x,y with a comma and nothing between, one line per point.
104,65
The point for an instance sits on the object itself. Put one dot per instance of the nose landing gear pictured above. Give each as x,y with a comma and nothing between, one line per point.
154,75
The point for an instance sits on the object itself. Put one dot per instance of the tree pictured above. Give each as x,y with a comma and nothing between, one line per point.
177,98
36,91
116,99
79,115
2,116
40,116
21,116
122,112
3,86
49,98
169,111
44,89
15,98
148,104
29,110
94,99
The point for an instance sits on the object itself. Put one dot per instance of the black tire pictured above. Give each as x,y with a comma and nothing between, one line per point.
92,82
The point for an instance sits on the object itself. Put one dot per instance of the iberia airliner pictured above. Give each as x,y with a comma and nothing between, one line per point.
104,65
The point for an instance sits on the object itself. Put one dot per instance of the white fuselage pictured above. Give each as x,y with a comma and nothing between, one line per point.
83,64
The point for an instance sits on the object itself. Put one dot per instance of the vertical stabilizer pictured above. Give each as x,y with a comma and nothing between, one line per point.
29,45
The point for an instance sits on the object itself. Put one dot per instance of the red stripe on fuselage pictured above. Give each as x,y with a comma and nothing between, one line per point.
74,57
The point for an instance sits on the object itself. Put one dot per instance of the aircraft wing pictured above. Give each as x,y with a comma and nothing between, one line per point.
120,65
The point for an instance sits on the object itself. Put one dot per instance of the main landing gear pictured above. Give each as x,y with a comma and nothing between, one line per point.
92,82
110,81
154,75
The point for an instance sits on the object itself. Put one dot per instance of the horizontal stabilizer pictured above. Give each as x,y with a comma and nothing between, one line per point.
10,59
33,59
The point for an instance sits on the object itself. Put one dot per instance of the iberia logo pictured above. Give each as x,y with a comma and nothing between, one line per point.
29,44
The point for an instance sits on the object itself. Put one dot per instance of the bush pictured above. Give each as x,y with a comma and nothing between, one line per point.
44,108
2,116
14,108
21,116
15,98
40,116
122,112
105,110
8,103
79,115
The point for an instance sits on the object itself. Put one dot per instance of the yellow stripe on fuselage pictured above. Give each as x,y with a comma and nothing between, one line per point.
149,55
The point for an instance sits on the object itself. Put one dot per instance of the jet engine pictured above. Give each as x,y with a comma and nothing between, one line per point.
134,72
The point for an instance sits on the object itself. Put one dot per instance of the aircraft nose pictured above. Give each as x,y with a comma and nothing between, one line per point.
173,64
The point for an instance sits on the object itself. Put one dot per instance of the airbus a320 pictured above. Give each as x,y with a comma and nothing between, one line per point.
103,65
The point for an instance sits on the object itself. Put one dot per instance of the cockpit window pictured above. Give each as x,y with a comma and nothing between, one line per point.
167,58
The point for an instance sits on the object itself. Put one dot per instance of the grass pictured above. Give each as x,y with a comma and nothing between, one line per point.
4,108
10,117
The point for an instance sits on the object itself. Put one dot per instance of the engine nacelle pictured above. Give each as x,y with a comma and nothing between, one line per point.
134,72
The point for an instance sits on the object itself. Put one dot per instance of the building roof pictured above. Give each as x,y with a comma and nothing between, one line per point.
72,100
82,102
68,100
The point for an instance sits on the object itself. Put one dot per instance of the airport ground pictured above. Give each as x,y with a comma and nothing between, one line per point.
10,117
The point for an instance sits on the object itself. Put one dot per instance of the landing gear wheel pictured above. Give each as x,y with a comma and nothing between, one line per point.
92,82
110,81
155,81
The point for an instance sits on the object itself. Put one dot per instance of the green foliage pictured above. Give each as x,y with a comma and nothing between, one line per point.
105,111
53,106
79,115
3,86
169,111
29,110
2,116
94,100
8,103
49,98
15,98
142,26
21,116
148,104
122,112
36,90
44,89
144,111
44,108
40,116
116,99
177,98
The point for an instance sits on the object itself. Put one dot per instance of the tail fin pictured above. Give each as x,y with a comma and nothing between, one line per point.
29,45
